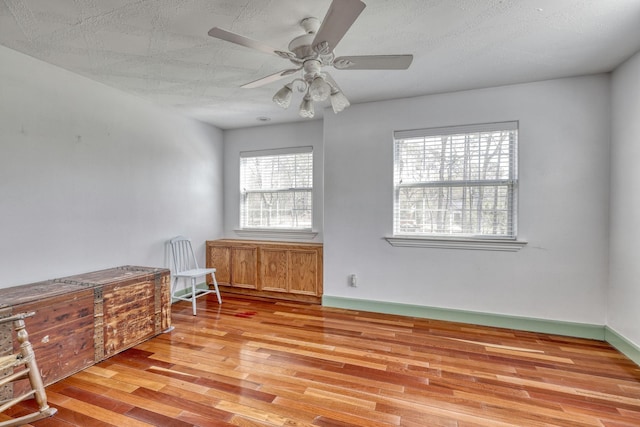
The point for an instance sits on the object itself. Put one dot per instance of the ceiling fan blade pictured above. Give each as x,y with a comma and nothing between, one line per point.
228,36
373,62
339,18
270,78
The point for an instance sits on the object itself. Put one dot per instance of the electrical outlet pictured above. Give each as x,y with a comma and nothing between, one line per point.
353,280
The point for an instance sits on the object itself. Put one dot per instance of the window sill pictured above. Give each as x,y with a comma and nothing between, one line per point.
276,233
466,244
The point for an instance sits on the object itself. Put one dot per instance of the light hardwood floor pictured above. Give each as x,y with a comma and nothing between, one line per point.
262,363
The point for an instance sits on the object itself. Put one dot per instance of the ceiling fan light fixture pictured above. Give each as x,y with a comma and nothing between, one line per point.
311,52
306,108
282,98
319,89
338,101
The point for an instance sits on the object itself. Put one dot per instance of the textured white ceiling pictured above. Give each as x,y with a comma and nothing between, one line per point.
160,50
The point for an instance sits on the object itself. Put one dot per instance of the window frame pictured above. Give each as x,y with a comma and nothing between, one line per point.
505,242
289,231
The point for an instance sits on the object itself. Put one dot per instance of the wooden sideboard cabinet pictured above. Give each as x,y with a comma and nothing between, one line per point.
283,270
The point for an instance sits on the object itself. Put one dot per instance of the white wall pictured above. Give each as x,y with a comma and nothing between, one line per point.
624,293
92,178
564,181
299,134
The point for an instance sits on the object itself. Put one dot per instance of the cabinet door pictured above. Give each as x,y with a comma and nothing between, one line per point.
219,257
273,270
244,267
303,272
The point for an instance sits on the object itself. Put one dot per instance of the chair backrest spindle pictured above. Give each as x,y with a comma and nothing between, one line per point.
183,256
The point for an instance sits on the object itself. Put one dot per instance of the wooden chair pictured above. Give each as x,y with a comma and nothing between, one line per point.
27,358
185,266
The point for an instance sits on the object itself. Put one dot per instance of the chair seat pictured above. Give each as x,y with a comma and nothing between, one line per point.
196,272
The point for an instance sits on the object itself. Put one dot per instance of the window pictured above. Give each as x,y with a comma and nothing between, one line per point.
456,182
276,189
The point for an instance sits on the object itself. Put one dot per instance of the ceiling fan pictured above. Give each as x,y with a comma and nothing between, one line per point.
313,51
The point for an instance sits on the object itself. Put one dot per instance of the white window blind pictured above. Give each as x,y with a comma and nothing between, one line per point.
457,182
276,189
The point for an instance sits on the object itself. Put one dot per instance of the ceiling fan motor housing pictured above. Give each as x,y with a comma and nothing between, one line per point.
301,46
311,69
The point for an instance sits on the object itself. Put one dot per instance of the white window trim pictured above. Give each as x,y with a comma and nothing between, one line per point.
483,244
279,233
506,244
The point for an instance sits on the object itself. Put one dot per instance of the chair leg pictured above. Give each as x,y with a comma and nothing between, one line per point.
193,294
215,286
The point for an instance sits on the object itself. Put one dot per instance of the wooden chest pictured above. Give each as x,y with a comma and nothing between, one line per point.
61,331
83,319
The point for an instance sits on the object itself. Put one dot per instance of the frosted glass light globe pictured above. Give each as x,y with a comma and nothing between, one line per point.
306,108
282,98
338,101
319,90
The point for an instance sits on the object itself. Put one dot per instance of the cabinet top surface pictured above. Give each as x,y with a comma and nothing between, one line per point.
261,242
